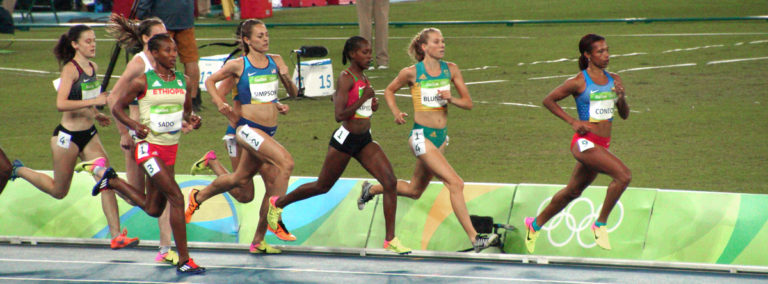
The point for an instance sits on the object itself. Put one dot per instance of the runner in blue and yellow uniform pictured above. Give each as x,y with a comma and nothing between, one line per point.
354,104
430,82
596,92
258,75
165,105
77,95
210,162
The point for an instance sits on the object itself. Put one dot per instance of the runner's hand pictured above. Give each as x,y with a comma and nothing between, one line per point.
142,131
581,127
126,141
103,119
400,118
374,104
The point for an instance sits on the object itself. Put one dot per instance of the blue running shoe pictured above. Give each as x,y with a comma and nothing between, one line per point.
103,183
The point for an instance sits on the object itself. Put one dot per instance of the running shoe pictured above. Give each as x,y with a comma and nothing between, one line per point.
395,246
201,166
170,257
103,183
263,247
601,236
484,241
531,235
190,267
192,206
365,195
281,232
123,241
90,166
273,215
16,165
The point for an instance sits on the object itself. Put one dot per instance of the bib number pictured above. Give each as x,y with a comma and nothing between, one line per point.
250,137
584,144
90,90
151,167
365,110
418,144
63,140
341,135
231,145
165,118
142,150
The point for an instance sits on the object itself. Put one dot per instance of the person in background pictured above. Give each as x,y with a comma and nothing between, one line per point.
379,11
179,19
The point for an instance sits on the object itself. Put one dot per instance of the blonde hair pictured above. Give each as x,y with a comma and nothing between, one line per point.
414,49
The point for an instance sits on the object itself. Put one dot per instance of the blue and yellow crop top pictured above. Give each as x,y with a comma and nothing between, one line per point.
596,103
258,85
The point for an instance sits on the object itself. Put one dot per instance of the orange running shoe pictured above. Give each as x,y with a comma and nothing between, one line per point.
192,206
123,241
281,232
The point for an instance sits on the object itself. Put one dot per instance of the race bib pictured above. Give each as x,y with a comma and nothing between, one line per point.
263,88
601,105
229,140
90,90
63,140
418,142
151,167
165,118
365,110
142,150
584,144
430,92
250,137
341,135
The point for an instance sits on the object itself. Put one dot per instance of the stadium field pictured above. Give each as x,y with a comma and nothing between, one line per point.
697,91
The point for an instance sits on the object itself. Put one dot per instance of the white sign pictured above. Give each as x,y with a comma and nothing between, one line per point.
209,65
317,77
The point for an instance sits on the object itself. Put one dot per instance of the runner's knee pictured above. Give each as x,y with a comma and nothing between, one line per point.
624,178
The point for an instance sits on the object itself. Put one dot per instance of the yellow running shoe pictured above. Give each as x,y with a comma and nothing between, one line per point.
201,166
531,235
263,247
601,236
170,257
273,215
89,166
395,246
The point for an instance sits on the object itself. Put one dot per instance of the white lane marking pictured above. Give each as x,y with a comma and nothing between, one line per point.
480,68
657,67
308,270
576,59
80,280
692,48
550,77
736,60
758,41
687,34
42,71
625,70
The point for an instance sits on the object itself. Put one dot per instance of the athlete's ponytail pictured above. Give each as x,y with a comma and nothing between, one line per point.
128,33
414,49
585,45
353,44
63,50
245,29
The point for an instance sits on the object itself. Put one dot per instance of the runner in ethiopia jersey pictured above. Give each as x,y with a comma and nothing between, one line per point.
596,92
354,104
134,36
164,106
77,94
258,75
430,82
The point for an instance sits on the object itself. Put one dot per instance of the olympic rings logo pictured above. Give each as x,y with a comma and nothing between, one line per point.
566,217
